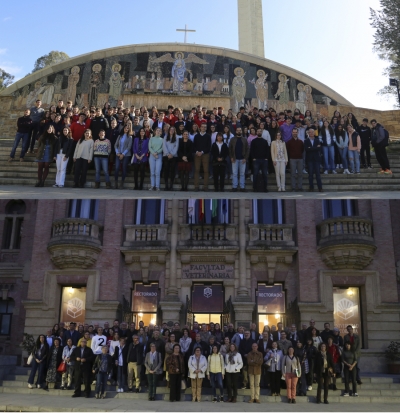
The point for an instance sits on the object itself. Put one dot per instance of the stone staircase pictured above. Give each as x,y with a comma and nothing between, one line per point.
375,389
25,173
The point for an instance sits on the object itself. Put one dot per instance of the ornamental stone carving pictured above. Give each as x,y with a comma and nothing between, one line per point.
346,243
75,243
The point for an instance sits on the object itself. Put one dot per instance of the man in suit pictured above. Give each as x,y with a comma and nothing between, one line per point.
293,335
264,344
83,358
160,122
245,348
312,146
198,343
72,334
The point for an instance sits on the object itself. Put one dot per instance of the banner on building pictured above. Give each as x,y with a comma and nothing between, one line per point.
208,298
73,305
271,299
145,298
346,310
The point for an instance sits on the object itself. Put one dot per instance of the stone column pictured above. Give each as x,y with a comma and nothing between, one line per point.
171,305
251,28
243,291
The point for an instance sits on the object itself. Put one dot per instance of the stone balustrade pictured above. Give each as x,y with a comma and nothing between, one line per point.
208,232
271,234
145,233
75,242
346,242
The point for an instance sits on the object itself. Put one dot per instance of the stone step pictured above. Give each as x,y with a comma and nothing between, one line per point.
333,398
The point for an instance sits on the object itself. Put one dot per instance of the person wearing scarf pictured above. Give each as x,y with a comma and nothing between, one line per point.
233,365
323,371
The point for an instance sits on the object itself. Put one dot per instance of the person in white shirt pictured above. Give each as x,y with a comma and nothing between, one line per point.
98,341
120,356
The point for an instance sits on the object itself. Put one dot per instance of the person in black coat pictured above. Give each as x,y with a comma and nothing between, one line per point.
83,358
185,159
219,152
205,351
135,360
72,334
53,363
245,348
323,370
260,153
120,358
312,146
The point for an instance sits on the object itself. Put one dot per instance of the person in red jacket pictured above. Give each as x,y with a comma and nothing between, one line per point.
334,351
77,130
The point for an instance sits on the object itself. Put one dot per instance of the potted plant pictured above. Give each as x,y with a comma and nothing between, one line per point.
28,344
392,353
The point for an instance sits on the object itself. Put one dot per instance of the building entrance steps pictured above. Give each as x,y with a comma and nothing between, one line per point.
377,388
25,173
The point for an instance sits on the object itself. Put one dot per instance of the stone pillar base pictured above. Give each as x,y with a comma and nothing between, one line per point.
171,310
243,313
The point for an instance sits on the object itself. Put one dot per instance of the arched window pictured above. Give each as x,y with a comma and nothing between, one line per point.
6,310
13,223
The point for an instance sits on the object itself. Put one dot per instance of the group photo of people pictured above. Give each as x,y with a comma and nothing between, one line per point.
139,358
163,149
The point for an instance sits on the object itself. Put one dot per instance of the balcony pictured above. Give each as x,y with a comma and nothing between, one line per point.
75,242
145,236
271,236
208,235
346,242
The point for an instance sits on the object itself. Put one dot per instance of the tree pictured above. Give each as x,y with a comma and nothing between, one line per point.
52,58
386,23
5,79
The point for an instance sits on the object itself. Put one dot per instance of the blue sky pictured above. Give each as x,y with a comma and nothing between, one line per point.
329,40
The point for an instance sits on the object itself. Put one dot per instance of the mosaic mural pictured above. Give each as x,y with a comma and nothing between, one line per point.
176,73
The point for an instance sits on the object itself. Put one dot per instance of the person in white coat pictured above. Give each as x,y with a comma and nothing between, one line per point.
233,365
197,368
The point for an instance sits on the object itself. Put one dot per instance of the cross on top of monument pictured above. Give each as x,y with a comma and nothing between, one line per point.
186,30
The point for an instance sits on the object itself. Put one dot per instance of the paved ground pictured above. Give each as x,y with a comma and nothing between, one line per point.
34,403
27,192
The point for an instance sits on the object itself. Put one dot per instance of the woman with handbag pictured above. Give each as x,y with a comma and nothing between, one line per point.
176,370
323,371
334,352
40,354
291,370
153,364
233,365
197,368
82,157
273,360
53,363
68,373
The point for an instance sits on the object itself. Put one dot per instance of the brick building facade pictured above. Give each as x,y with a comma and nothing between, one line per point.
241,261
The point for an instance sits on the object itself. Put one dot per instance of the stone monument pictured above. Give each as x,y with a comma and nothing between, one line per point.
251,28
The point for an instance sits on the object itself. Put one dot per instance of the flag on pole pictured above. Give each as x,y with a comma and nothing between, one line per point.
214,207
191,204
201,210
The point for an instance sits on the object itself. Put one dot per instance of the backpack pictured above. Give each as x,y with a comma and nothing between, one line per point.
385,142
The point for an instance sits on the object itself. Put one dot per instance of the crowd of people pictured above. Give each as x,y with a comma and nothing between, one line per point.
132,357
201,144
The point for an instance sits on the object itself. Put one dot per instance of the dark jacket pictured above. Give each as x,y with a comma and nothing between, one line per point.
232,148
319,363
217,154
124,357
97,124
139,350
205,348
185,149
54,147
245,347
112,136
261,346
313,150
365,134
87,355
97,363
24,124
173,363
67,146
356,346
74,336
377,134
58,358
44,353
202,143
325,335
259,149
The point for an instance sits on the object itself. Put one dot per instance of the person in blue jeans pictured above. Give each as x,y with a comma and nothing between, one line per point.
312,146
101,152
216,372
155,159
102,367
24,128
40,354
328,146
239,153
123,147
